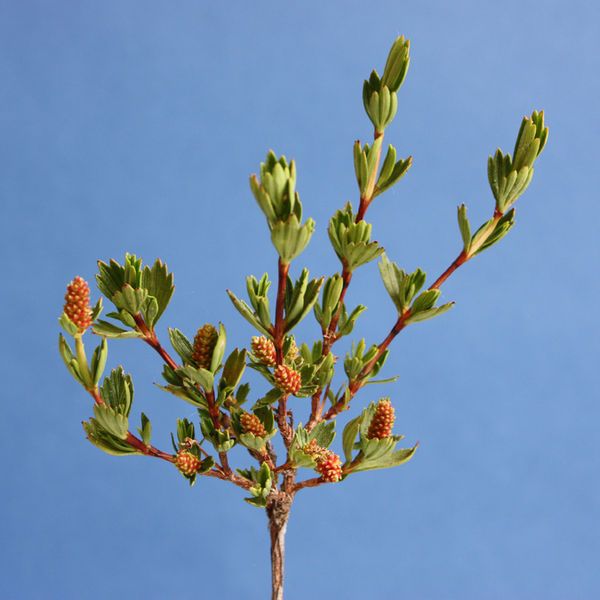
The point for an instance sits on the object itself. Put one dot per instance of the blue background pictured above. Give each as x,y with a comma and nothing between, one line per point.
133,126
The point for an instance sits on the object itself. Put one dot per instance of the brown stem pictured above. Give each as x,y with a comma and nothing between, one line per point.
461,259
399,325
330,335
314,482
278,512
151,339
136,443
279,327
284,427
278,335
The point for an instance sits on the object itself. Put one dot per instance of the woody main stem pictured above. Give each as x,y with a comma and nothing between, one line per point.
278,513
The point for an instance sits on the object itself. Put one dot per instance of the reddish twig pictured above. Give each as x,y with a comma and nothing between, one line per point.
314,482
152,340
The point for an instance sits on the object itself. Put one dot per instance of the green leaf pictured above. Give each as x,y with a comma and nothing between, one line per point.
384,457
219,350
159,284
349,436
117,391
269,398
106,441
396,66
247,313
465,227
429,314
425,300
97,310
69,359
184,393
380,381
330,300
111,421
110,278
145,430
181,345
185,430
130,299
150,311
124,317
262,479
304,295
290,238
99,361
391,171
503,226
68,325
401,286
202,377
323,433
531,140
347,322
108,330
234,368
352,241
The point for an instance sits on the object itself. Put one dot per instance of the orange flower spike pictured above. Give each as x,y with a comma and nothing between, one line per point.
287,380
383,421
187,463
252,424
77,304
204,345
264,350
330,467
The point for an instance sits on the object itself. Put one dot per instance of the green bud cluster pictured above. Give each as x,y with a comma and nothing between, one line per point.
380,93
275,192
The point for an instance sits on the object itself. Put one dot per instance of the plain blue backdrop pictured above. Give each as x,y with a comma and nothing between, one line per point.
133,126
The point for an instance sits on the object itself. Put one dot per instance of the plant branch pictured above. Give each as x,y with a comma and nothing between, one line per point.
279,327
152,340
398,326
278,336
330,335
131,439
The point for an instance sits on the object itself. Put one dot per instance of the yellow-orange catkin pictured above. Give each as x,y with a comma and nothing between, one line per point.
77,303
287,380
314,450
187,462
328,464
293,351
204,344
330,467
251,424
382,421
264,350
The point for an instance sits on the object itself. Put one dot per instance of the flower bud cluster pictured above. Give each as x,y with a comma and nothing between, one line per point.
187,463
264,350
329,464
252,424
287,380
204,345
382,422
77,303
